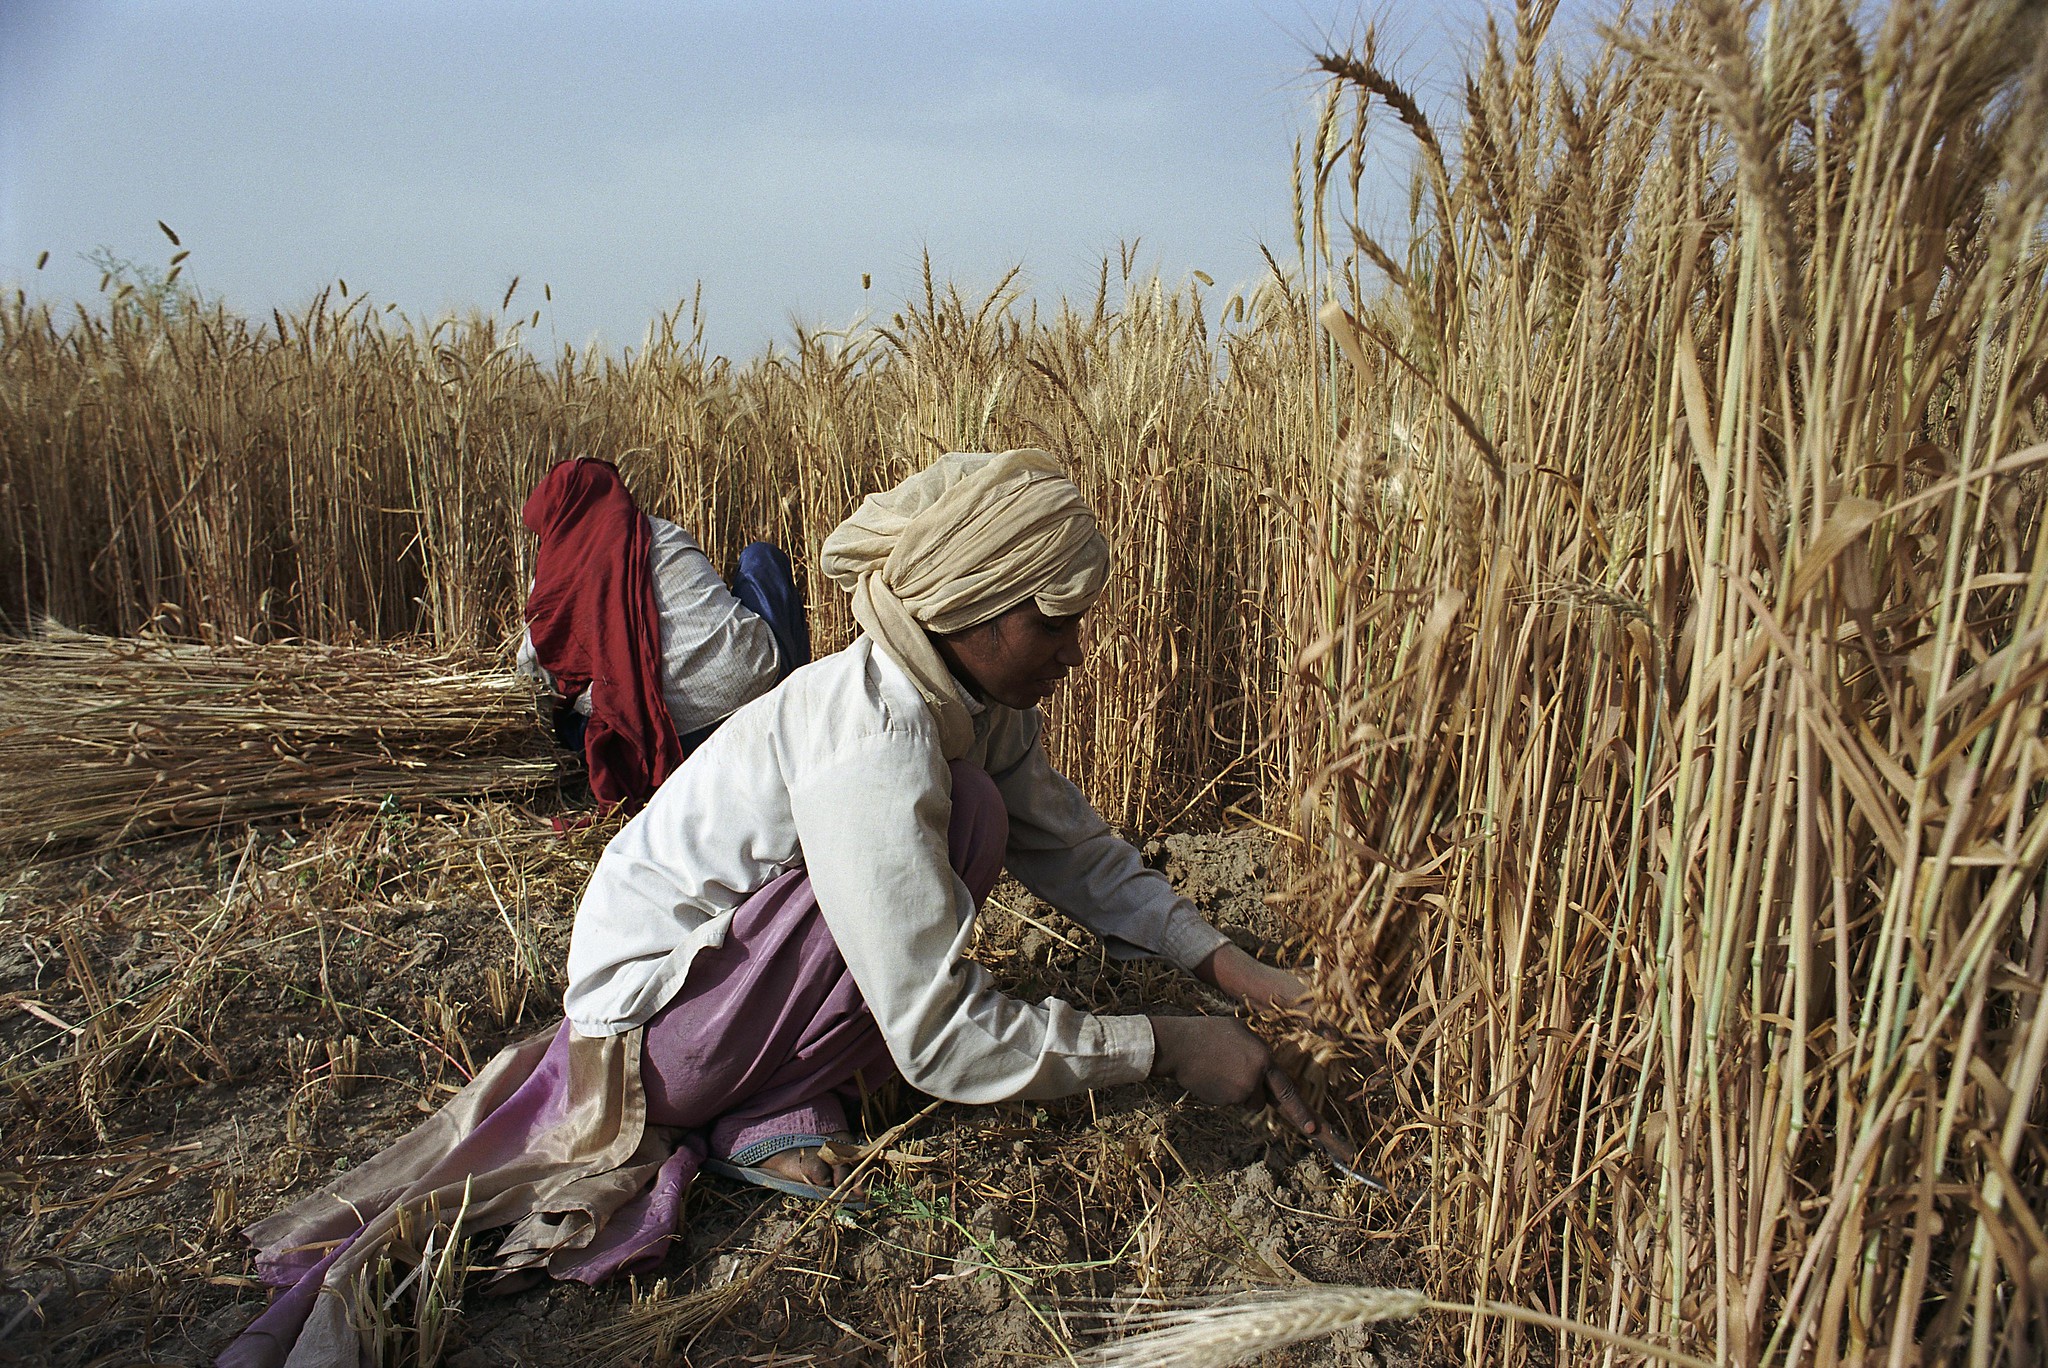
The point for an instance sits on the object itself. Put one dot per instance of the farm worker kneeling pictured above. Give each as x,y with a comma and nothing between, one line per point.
630,625
788,919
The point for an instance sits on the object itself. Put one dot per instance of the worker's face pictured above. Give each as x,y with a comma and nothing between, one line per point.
1016,659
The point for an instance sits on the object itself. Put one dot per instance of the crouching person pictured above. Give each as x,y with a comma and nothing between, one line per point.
788,919
631,627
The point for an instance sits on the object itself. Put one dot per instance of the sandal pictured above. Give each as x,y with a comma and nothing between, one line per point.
744,1165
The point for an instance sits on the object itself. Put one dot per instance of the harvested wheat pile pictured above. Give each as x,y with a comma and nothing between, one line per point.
118,738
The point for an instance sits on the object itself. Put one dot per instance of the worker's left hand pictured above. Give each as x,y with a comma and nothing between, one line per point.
1258,986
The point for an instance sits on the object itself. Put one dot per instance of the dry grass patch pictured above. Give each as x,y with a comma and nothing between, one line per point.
279,1005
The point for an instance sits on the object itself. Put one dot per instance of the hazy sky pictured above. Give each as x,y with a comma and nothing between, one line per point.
429,152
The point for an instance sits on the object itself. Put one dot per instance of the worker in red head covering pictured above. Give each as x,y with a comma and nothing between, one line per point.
633,628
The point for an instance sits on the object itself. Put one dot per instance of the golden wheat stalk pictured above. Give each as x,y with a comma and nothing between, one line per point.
1212,1332
1219,1331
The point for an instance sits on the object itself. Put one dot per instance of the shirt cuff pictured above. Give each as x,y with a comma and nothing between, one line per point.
1128,1041
1187,939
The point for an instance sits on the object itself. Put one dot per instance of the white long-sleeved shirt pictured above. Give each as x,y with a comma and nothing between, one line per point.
840,770
715,653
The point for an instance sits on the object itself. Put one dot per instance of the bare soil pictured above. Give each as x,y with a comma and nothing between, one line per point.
196,1032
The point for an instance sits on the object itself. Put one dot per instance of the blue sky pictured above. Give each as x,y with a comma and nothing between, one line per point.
621,153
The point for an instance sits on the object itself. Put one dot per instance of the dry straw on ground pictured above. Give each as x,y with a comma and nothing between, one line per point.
110,740
1634,602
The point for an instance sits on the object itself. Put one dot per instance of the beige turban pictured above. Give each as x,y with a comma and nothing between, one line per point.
964,539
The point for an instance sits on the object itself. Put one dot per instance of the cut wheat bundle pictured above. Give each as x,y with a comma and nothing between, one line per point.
114,739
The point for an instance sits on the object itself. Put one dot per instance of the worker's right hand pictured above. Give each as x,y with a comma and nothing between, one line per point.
1214,1058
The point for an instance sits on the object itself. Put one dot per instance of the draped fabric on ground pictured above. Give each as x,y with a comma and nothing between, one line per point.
968,537
593,620
550,1138
583,1146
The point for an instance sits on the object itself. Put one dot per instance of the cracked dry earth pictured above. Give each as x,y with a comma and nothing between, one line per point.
196,1032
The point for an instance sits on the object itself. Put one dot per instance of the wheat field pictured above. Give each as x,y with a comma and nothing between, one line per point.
1622,582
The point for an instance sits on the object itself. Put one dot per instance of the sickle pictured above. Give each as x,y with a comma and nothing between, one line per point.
1343,1155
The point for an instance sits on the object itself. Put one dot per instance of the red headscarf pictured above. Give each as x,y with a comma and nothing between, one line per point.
593,620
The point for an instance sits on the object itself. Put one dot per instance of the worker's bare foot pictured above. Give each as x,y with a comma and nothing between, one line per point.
807,1165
